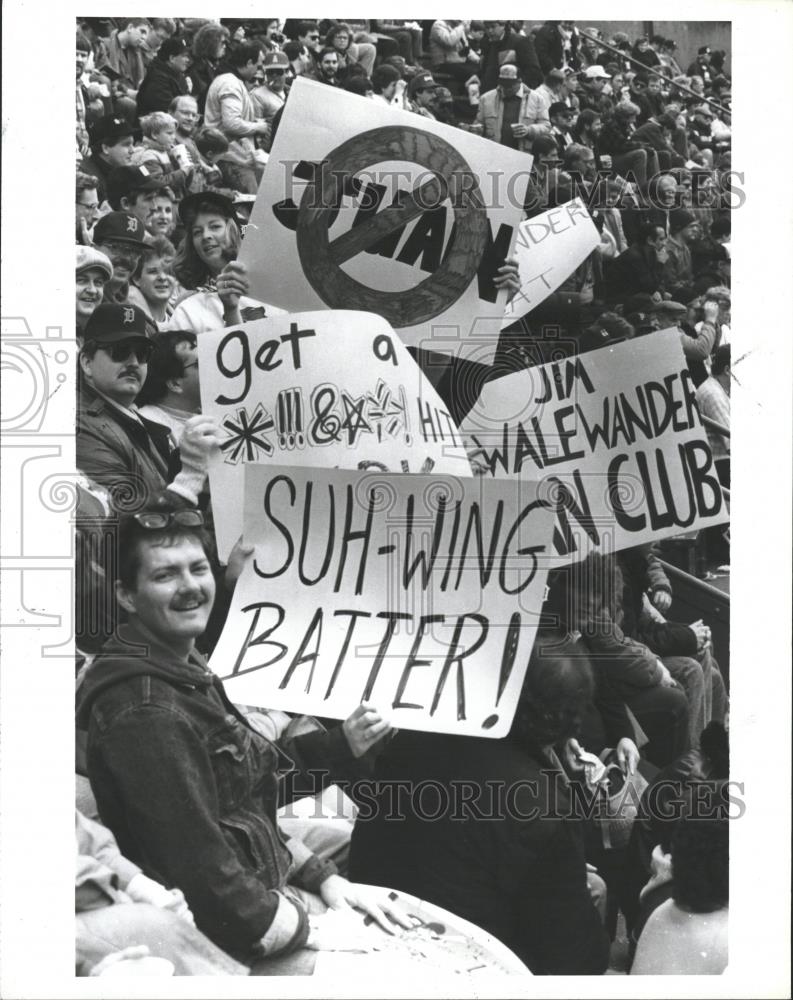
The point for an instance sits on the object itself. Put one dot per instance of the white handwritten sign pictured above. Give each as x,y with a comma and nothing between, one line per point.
549,248
417,593
334,388
614,440
368,207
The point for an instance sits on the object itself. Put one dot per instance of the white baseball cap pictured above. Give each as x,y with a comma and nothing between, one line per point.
596,72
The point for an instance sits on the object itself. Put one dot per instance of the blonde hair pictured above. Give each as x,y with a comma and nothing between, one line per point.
155,122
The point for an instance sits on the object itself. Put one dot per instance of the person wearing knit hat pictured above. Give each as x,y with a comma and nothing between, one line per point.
684,229
165,78
93,271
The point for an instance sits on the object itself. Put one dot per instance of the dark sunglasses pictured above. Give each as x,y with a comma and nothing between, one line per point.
156,520
121,351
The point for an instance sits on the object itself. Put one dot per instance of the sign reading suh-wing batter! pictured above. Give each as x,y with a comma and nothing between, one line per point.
367,207
417,593
612,438
329,389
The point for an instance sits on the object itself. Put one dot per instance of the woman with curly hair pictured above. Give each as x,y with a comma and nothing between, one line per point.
209,50
207,264
339,38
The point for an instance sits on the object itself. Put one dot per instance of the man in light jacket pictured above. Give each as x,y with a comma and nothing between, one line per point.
504,113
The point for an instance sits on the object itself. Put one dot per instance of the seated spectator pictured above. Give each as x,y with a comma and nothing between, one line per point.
592,96
121,237
93,272
503,45
519,873
540,100
210,44
339,37
629,157
206,264
503,113
328,68
384,85
165,78
162,220
112,146
713,400
229,108
86,201
684,230
162,779
420,94
134,190
122,52
656,132
117,448
585,596
153,282
160,154
123,916
449,52
304,58
557,44
688,934
561,118
641,267
171,393
587,128
269,96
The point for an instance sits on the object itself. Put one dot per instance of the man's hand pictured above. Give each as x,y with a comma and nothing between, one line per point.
571,752
702,632
364,728
508,276
628,754
339,894
200,438
85,234
232,284
238,556
710,311
520,131
662,600
667,680
142,889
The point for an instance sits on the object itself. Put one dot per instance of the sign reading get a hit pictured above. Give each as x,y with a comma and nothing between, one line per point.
417,593
367,207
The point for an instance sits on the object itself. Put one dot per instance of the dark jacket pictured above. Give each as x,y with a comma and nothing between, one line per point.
190,790
521,876
512,48
636,270
131,459
96,167
548,45
160,86
614,140
652,134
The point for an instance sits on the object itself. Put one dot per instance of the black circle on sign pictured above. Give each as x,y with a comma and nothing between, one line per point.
451,174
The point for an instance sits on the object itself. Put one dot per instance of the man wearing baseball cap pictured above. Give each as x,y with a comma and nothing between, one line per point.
111,146
503,112
121,237
269,97
134,190
593,80
165,78
421,94
93,271
117,448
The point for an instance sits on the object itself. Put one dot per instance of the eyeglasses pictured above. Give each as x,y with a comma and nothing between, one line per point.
121,351
156,520
91,208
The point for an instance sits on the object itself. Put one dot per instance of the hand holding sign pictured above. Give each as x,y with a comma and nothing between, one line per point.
364,728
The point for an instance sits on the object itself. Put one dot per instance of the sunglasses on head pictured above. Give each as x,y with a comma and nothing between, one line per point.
121,351
156,520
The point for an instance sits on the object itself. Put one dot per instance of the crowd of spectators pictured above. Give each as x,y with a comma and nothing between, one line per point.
197,862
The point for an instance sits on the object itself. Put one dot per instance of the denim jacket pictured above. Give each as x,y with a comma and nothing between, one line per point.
190,792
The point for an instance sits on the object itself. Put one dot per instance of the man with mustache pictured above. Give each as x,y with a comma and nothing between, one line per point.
121,237
117,448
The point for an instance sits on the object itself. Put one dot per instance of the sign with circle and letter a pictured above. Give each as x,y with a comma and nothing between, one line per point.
367,207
